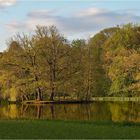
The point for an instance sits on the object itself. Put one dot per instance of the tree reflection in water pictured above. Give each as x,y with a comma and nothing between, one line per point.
97,111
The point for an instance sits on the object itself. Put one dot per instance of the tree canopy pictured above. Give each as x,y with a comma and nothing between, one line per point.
46,66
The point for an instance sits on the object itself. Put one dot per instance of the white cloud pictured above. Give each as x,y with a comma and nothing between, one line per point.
32,22
91,11
7,3
40,13
14,26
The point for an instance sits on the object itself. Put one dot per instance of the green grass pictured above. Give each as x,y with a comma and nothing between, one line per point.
40,129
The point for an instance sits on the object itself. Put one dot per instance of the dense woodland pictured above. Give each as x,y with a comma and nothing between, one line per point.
46,66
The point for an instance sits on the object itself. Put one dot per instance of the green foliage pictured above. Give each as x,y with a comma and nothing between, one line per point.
122,60
46,64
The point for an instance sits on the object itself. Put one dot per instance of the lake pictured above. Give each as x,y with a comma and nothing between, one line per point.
96,111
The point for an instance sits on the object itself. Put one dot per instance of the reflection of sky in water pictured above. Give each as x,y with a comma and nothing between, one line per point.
97,111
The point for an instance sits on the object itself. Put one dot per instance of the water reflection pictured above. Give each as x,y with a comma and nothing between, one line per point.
97,111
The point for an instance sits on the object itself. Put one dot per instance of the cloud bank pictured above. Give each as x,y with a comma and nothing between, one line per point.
84,22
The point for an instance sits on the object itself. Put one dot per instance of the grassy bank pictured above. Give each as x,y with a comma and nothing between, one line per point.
132,99
39,129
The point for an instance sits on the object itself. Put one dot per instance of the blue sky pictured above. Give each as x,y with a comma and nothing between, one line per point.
73,18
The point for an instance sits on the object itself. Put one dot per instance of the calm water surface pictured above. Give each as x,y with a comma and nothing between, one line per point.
97,111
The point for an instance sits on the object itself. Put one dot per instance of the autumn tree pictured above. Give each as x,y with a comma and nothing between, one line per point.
54,51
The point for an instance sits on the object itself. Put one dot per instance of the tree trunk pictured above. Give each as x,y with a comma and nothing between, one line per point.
52,96
89,77
38,90
22,99
52,81
52,90
39,94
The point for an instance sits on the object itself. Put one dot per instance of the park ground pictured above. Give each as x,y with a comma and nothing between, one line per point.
56,129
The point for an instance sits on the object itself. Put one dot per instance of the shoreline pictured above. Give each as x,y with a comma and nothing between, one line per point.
74,101
94,99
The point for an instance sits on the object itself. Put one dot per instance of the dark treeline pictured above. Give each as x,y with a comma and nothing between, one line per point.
46,66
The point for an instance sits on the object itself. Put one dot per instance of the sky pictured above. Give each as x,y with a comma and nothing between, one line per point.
74,18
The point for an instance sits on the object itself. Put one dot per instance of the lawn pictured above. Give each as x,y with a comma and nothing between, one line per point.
41,129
